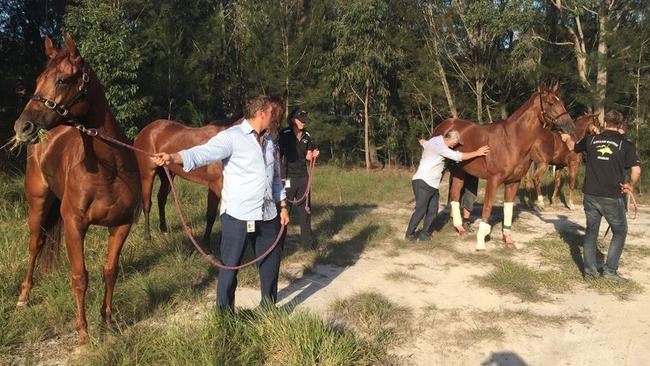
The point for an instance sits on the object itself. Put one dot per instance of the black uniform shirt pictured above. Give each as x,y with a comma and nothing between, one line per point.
294,152
609,155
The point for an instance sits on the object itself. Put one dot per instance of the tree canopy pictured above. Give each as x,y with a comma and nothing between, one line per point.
374,74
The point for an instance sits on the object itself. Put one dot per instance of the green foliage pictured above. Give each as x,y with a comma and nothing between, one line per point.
196,61
102,35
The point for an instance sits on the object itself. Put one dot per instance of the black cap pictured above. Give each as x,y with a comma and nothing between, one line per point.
301,115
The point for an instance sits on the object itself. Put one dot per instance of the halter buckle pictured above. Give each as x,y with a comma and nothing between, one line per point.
50,104
62,111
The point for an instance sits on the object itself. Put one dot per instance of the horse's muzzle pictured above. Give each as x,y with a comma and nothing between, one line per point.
26,132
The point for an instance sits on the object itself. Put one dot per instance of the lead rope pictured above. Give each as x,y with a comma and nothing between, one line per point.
631,201
310,180
92,132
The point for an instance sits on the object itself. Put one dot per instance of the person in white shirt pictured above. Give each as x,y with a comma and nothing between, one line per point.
427,179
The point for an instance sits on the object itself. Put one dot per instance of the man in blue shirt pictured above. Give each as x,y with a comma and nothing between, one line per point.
251,189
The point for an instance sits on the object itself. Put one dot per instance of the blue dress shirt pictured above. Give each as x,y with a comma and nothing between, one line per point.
251,184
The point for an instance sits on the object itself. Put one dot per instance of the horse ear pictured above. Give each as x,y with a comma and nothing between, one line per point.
555,87
50,50
542,86
72,47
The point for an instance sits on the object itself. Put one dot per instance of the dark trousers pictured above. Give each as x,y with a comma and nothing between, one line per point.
613,209
426,206
233,245
469,192
296,191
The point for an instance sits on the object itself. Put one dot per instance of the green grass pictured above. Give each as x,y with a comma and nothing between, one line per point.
560,272
271,337
155,276
402,276
374,317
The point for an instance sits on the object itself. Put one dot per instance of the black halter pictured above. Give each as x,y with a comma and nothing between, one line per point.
64,109
548,118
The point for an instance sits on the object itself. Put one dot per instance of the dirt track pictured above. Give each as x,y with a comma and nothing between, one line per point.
458,321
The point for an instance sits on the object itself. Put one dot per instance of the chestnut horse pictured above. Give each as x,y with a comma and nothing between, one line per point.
510,142
549,149
166,135
73,180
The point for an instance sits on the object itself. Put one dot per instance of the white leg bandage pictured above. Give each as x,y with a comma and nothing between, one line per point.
455,214
507,215
540,201
483,230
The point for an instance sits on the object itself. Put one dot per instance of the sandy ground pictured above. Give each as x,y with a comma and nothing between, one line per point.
608,331
445,297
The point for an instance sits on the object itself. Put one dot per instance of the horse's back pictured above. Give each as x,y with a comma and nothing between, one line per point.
171,136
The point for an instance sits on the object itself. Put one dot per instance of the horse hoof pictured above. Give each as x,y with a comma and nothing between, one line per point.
572,206
21,303
507,238
460,230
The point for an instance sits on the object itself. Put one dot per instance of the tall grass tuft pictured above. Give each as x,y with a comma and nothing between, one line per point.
261,337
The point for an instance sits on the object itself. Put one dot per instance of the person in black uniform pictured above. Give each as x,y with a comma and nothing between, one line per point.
297,148
608,155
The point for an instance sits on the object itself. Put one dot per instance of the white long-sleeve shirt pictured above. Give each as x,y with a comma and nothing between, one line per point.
251,184
432,162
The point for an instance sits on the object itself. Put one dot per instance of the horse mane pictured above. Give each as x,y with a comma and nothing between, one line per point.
523,108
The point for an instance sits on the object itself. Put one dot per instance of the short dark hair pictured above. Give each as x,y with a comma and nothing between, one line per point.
614,118
257,103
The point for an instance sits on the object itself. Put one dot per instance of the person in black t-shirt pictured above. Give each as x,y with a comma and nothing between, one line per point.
608,155
296,149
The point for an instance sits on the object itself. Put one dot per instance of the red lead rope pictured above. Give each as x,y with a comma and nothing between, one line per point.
94,133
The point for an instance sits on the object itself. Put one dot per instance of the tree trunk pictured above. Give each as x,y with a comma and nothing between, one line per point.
479,99
601,77
366,125
443,80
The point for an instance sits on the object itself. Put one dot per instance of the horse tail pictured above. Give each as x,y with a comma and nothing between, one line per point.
49,258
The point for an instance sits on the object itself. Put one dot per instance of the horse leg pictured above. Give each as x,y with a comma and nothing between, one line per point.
573,174
539,173
484,227
163,192
38,211
457,180
211,213
75,232
508,210
556,185
529,187
146,181
117,237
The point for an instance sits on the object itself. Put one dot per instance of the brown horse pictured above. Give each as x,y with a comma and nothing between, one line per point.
73,180
510,142
166,135
549,149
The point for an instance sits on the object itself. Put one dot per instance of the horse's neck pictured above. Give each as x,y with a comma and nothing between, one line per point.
523,125
581,126
100,115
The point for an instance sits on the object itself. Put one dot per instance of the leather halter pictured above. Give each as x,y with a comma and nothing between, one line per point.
64,109
548,118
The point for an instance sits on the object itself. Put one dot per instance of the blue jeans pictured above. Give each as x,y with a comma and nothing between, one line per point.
233,244
426,206
613,209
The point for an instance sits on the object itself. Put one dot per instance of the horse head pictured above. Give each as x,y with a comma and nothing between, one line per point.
552,111
60,92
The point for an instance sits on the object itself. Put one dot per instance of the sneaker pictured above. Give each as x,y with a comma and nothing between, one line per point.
614,277
590,277
424,237
410,237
